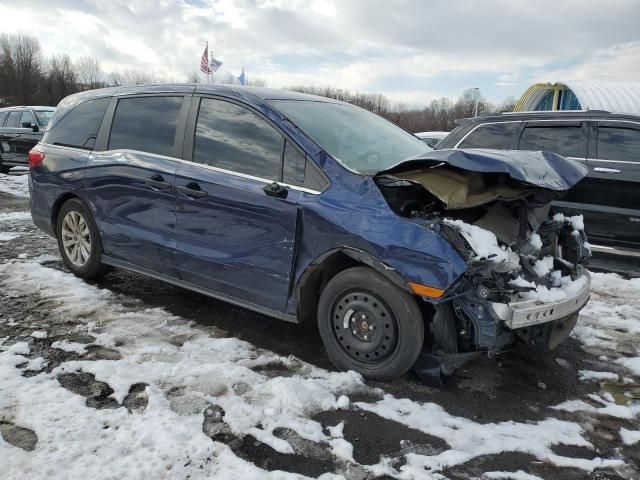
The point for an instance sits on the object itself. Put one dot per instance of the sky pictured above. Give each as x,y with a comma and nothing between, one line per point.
412,51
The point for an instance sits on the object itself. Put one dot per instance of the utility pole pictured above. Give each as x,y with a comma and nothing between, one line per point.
475,110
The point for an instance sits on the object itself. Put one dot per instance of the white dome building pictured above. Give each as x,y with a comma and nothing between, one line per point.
619,97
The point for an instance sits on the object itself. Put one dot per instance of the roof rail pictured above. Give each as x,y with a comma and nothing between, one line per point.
550,112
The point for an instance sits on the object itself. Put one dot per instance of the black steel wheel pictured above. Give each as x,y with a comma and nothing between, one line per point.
369,324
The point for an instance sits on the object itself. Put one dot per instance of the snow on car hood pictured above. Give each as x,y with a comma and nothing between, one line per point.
546,170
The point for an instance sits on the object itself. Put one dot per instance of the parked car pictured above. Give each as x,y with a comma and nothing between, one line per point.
607,143
21,128
312,210
431,138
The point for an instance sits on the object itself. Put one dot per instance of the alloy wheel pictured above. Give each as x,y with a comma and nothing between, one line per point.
76,239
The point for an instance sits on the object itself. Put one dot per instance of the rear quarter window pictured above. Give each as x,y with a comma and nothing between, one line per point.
79,127
3,116
492,135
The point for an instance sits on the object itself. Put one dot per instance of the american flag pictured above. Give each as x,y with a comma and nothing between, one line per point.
204,62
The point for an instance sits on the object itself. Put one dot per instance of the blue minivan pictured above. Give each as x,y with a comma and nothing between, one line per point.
313,210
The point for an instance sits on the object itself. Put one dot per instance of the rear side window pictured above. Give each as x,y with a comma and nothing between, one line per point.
44,116
234,138
491,135
147,124
3,115
616,143
567,141
79,127
13,121
27,117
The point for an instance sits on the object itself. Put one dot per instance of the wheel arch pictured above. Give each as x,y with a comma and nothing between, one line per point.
325,267
57,205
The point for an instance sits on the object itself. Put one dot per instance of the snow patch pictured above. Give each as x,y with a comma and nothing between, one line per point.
14,216
71,347
517,475
591,376
16,185
630,437
576,221
567,288
7,236
469,439
483,242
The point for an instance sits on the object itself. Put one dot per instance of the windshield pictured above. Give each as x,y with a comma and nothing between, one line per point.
359,139
44,116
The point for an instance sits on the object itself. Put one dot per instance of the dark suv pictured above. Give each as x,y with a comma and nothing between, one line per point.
607,143
309,209
20,129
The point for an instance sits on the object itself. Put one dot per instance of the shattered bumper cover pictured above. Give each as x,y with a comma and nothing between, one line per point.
524,313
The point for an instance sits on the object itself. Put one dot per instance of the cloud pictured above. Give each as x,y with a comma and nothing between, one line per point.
409,49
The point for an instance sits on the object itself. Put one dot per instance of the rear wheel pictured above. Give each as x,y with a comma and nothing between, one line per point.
79,240
369,324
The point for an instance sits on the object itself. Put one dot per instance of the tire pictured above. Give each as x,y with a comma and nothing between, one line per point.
370,325
76,225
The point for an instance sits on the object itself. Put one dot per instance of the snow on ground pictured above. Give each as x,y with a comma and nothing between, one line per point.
187,372
630,437
165,352
17,185
517,475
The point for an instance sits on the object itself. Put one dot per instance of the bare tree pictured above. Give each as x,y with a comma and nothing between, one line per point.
20,67
60,78
88,73
194,77
507,105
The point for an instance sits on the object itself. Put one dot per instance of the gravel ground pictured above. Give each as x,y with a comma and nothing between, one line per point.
499,397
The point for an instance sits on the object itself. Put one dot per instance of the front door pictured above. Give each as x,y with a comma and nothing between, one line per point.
612,211
236,235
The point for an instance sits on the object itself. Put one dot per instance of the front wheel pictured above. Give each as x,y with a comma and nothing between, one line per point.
79,240
369,324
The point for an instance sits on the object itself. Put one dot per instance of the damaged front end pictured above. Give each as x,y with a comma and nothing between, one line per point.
525,277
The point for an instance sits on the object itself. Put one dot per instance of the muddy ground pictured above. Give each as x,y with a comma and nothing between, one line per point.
520,385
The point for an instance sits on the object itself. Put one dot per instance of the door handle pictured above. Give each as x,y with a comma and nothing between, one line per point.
606,170
157,181
274,189
192,189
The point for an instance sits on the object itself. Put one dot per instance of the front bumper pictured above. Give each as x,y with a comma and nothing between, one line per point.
524,313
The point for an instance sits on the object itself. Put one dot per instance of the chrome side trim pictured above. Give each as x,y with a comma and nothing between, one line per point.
626,162
619,251
524,313
209,167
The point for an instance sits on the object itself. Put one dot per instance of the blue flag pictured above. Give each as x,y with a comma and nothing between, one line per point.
242,78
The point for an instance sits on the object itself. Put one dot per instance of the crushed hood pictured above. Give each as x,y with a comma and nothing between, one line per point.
467,178
540,169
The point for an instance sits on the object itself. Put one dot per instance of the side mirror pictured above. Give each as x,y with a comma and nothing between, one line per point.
32,126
